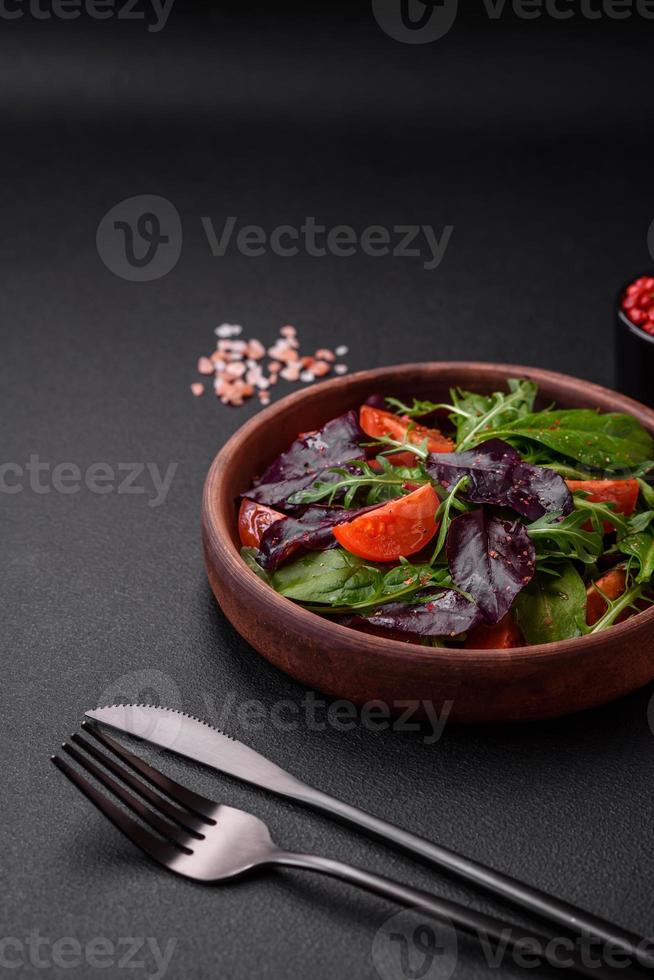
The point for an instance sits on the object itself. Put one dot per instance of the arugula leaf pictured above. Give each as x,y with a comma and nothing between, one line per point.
557,537
551,609
597,513
380,486
632,598
476,415
638,544
418,408
609,441
443,518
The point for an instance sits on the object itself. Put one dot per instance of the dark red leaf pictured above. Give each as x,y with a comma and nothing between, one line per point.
313,531
491,560
307,458
498,476
447,614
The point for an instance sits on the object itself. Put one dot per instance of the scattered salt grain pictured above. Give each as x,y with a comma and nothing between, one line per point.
205,366
341,351
239,371
228,330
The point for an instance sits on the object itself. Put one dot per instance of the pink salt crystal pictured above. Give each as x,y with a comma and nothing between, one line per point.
340,369
288,331
253,376
324,355
235,370
205,366
291,372
321,368
256,350
307,376
262,383
274,366
264,397
197,388
288,355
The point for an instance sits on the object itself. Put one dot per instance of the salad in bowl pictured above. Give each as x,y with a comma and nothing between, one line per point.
476,522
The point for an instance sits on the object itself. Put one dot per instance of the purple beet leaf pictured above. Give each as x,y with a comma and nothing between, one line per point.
313,531
498,476
447,614
491,560
307,458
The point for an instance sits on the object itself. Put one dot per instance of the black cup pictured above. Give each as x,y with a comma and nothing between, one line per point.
634,356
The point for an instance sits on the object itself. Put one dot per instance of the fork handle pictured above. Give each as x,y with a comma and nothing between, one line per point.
482,927
523,896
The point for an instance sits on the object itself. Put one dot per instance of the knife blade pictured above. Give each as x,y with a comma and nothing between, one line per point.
195,739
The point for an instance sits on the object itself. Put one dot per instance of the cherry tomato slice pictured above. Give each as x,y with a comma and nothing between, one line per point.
612,584
399,528
253,519
622,493
375,422
502,636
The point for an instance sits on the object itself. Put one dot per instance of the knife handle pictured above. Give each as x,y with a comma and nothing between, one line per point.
518,893
488,930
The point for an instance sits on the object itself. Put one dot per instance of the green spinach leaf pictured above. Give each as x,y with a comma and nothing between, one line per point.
550,609
610,441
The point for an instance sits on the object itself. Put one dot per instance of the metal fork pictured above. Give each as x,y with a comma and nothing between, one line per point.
210,842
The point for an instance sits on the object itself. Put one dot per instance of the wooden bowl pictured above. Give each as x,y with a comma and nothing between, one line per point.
524,683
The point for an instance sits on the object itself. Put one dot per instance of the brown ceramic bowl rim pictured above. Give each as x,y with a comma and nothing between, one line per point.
221,526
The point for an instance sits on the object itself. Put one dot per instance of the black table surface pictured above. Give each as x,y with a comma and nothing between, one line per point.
533,141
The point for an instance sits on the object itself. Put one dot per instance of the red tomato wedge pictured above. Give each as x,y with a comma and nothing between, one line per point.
502,636
253,520
375,422
622,493
612,584
399,528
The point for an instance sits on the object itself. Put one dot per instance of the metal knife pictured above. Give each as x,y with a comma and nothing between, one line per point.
197,740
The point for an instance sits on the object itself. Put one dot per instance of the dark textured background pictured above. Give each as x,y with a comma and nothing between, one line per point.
533,139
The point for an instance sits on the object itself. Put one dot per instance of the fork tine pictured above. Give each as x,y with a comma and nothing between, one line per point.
189,821
193,801
155,848
162,826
